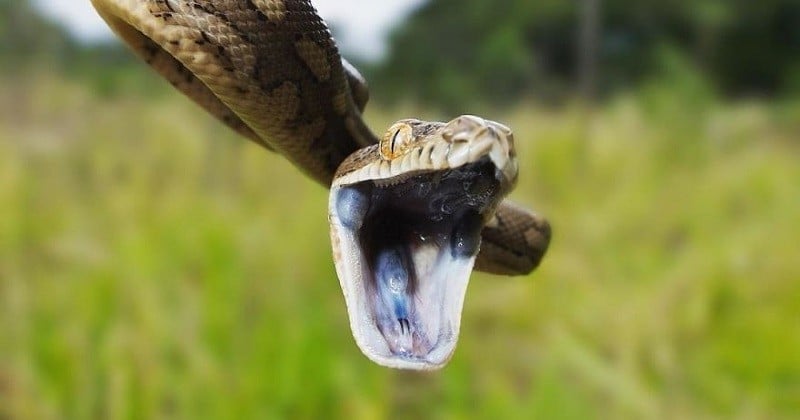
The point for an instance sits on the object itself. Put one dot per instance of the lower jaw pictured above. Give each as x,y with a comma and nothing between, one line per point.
444,287
437,347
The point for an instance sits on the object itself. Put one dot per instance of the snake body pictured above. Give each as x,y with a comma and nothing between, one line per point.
271,71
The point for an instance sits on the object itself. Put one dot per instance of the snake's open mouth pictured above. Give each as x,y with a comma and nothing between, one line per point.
418,239
405,246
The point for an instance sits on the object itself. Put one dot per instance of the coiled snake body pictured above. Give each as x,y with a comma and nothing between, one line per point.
410,213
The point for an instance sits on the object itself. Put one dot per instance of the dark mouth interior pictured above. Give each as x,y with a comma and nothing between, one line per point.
396,219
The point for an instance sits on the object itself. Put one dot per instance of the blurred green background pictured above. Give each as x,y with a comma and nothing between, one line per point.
153,264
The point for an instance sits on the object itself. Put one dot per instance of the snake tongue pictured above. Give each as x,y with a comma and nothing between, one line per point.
404,252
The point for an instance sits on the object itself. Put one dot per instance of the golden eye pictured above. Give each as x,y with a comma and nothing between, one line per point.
396,141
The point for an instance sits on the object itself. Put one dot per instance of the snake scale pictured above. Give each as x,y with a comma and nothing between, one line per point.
411,213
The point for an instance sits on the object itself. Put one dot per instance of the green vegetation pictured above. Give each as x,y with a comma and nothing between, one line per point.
460,53
152,264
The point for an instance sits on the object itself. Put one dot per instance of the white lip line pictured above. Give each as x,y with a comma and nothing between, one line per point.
497,149
388,181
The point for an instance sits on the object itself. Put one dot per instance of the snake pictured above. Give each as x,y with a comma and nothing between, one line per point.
412,212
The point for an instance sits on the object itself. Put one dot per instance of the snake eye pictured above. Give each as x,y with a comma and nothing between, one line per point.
396,141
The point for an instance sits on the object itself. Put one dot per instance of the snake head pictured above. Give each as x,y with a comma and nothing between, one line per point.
406,218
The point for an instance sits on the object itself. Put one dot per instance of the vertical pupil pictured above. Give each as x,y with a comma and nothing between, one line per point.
394,139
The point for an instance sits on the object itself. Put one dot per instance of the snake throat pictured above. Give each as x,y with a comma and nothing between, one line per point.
414,242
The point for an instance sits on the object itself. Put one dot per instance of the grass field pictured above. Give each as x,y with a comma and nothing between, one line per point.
154,265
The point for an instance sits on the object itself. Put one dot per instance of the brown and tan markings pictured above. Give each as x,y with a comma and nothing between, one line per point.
274,10
270,70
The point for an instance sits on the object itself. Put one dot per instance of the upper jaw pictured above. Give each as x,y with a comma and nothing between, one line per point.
464,139
404,263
